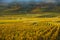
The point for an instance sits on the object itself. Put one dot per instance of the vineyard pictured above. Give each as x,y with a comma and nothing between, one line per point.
40,30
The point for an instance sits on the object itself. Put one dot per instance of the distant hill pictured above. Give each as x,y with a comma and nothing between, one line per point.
13,8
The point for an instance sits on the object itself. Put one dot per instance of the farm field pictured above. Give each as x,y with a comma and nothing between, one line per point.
30,29
29,19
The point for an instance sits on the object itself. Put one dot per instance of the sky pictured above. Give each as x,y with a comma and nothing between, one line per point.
20,0
8,1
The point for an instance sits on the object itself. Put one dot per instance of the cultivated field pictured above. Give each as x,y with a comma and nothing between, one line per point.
26,28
